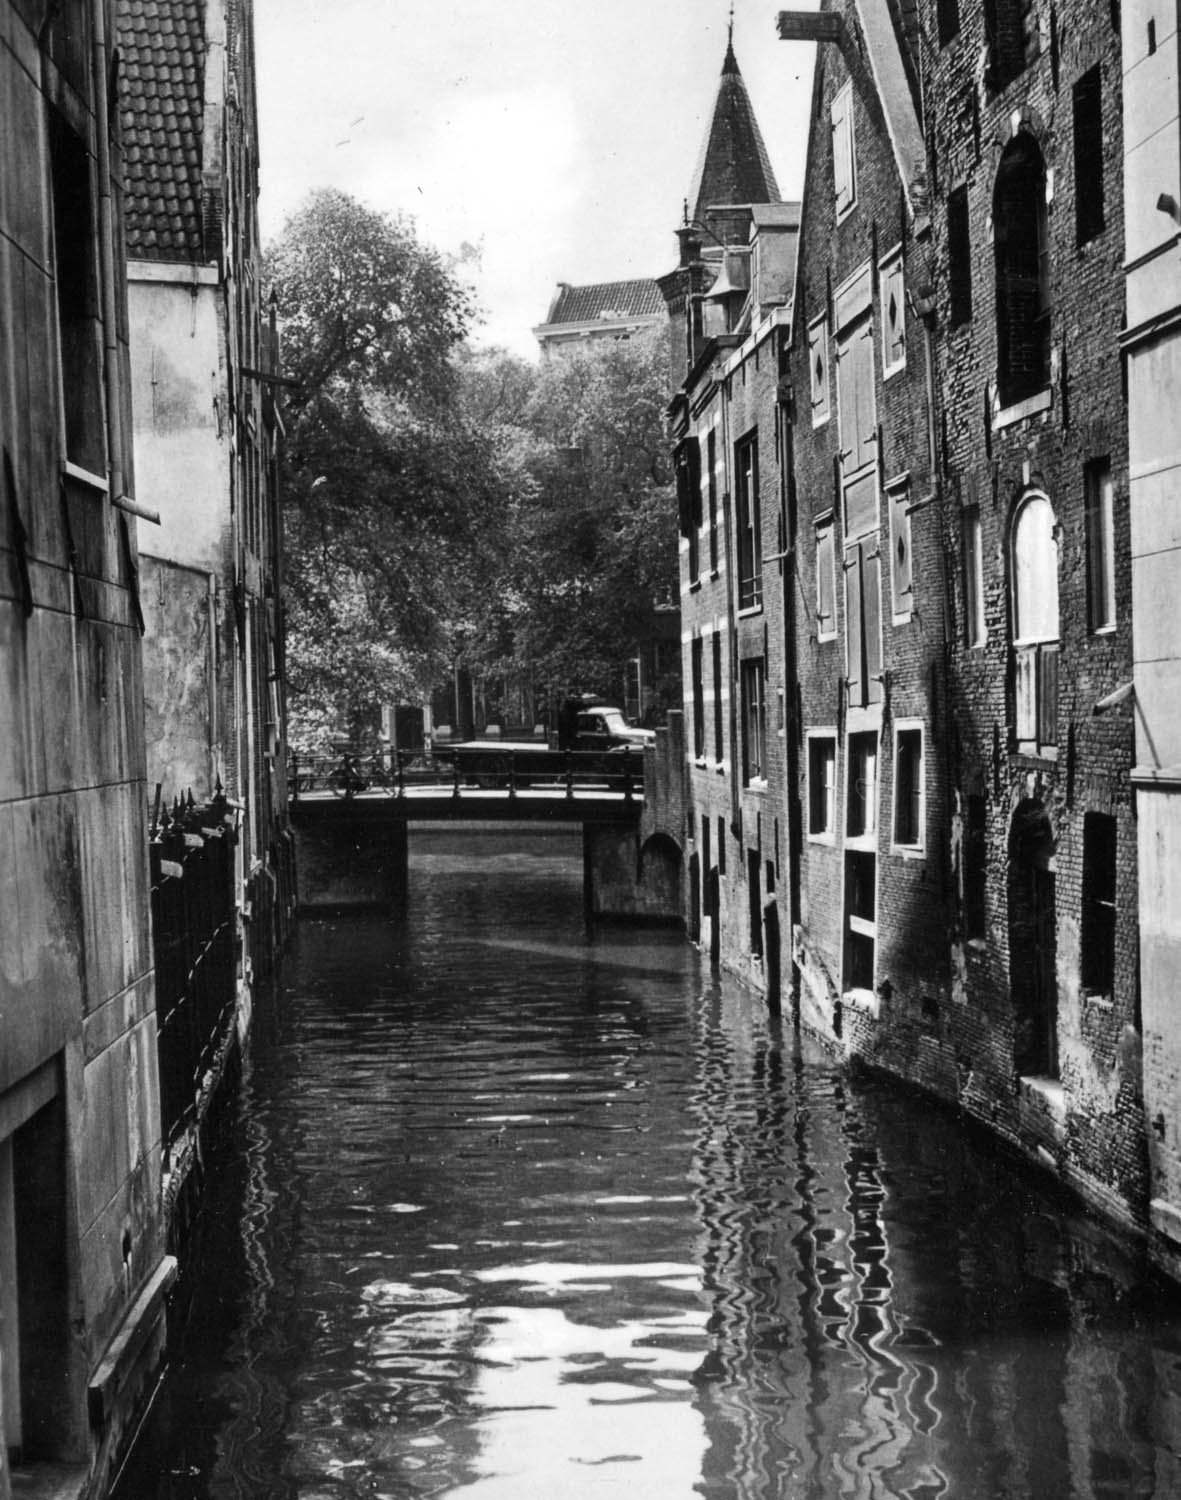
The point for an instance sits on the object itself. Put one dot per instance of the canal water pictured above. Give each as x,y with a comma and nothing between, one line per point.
511,1213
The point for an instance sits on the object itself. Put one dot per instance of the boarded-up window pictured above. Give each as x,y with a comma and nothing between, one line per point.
893,297
843,159
826,609
975,631
857,404
750,549
901,575
863,611
818,370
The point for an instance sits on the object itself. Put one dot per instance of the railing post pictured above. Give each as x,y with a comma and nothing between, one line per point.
569,776
455,778
627,776
512,775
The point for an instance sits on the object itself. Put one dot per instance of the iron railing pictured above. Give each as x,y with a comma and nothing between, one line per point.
460,769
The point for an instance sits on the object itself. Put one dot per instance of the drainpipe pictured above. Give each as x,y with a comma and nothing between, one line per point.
107,256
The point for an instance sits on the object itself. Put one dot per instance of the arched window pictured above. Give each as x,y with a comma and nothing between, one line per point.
1034,575
1021,242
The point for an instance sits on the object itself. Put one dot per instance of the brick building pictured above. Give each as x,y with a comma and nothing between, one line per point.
1042,1038
82,1266
728,307
869,604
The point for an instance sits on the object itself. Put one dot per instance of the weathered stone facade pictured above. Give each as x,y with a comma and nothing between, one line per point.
82,1268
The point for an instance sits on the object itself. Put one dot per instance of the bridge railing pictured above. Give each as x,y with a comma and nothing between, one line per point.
462,769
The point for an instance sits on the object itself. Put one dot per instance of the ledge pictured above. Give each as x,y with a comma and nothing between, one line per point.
1009,416
124,1349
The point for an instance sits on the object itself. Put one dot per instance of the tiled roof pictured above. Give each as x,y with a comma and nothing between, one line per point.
607,299
162,47
734,167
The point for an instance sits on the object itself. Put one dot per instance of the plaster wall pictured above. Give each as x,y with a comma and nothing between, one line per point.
180,406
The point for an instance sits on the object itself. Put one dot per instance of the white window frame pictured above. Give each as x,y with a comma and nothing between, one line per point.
827,529
819,385
867,840
828,834
898,506
891,269
918,848
1035,651
1100,514
844,154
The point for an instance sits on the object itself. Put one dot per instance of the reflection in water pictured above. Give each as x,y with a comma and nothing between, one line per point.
511,1214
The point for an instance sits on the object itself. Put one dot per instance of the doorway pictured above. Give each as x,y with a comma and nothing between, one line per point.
1033,943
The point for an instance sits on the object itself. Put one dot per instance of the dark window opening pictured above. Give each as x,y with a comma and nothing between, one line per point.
76,280
908,788
721,846
698,699
948,14
688,465
860,920
959,256
1033,943
1021,241
1011,31
1088,156
754,717
1098,914
750,547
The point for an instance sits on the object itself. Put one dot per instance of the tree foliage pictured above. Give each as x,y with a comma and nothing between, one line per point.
449,507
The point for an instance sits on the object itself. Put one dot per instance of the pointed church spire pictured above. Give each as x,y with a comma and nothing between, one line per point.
733,167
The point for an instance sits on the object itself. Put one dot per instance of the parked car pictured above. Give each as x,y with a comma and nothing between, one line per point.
605,728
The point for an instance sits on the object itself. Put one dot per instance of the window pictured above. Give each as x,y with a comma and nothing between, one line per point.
861,927
975,632
948,19
754,902
1097,959
719,722
1088,156
76,275
844,172
1035,623
1021,244
750,548
974,866
822,786
858,422
861,820
707,867
959,256
698,699
908,787
1100,546
901,578
711,459
818,370
721,846
863,624
893,296
688,468
826,606
1011,30
754,719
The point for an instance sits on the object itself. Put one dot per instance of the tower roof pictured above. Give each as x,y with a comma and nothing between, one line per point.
733,167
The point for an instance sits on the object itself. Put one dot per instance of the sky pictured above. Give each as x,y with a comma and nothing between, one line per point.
556,138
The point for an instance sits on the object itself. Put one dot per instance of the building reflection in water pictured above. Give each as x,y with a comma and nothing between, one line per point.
896,1311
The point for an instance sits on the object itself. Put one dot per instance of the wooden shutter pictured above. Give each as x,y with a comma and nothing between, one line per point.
871,615
842,150
854,633
893,317
901,577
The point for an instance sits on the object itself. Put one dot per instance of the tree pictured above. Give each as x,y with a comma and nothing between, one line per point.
590,528
386,483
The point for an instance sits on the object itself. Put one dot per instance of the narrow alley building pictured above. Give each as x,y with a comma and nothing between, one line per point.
82,1266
